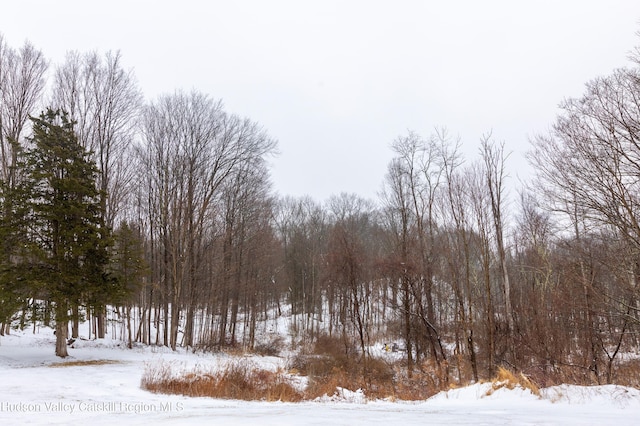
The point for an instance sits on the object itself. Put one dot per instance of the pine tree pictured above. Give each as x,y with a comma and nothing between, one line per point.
13,218
69,241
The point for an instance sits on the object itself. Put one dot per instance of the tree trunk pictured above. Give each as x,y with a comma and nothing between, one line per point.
100,319
407,323
128,313
175,320
62,325
76,321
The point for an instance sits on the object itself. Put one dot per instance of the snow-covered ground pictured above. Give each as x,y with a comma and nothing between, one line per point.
36,389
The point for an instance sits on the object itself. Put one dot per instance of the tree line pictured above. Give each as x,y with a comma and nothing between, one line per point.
161,213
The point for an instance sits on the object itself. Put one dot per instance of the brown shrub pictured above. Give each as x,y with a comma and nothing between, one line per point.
316,365
416,388
333,346
328,384
238,380
272,347
627,373
510,380
331,364
334,364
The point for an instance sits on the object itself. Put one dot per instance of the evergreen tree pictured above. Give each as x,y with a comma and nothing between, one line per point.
69,241
13,218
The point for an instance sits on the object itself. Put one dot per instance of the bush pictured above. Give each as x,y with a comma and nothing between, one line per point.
238,380
335,364
509,380
272,347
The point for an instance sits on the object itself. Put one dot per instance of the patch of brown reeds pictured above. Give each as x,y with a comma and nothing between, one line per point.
330,364
509,380
237,380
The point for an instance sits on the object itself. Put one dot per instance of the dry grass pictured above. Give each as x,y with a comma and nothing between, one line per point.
422,384
237,380
84,363
627,373
334,364
509,380
326,373
272,347
381,380
329,364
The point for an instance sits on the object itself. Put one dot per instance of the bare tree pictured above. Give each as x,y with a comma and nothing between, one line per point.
245,219
482,212
22,80
459,255
422,166
495,174
398,213
351,262
302,226
587,169
105,101
191,147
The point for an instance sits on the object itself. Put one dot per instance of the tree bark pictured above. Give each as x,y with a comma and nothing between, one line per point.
62,326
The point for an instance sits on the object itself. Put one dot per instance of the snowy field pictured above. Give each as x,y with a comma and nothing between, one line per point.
36,389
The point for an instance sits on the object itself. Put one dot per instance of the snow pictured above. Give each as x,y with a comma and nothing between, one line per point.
36,388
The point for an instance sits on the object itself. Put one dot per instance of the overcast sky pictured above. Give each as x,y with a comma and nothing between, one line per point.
336,81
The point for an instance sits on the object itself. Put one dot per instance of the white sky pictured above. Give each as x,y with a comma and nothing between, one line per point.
336,81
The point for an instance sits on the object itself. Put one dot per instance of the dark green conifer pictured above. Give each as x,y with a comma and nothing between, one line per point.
14,292
69,238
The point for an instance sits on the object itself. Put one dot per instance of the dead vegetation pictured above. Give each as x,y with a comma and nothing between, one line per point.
238,380
330,364
510,380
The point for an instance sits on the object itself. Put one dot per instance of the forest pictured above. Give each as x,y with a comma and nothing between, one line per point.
160,215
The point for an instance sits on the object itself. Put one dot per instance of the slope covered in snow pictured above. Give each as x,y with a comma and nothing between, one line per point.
100,384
